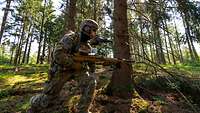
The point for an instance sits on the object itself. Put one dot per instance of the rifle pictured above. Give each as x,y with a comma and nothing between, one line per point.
100,60
99,40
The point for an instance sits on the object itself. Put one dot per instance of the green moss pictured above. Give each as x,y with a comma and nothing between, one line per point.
160,100
23,105
4,93
191,69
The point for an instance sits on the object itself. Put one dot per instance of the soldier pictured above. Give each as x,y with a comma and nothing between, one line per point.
63,69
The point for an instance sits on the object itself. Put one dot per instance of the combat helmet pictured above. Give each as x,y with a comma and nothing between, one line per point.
88,25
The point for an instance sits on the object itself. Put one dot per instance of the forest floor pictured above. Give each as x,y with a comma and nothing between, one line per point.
155,91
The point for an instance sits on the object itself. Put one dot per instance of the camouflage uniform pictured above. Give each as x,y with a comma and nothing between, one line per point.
63,69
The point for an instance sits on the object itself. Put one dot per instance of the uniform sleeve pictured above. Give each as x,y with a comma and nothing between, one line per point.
62,52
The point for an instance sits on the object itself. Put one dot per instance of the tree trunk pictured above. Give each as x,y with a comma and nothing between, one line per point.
152,53
26,46
188,36
5,18
194,50
170,42
143,53
41,35
177,40
49,54
159,57
12,50
121,83
19,47
29,48
95,10
168,56
49,51
44,47
188,19
70,14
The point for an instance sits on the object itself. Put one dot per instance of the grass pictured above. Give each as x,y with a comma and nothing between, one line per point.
14,104
29,78
191,69
24,70
16,86
186,79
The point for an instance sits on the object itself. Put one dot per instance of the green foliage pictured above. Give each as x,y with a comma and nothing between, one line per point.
13,104
33,59
26,70
55,30
159,99
190,68
174,85
4,93
4,60
184,79
4,57
23,105
17,87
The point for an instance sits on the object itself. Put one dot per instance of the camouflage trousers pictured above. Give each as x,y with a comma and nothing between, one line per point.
52,89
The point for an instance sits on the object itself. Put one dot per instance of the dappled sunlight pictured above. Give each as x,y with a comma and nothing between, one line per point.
119,56
16,90
140,104
17,79
150,95
14,104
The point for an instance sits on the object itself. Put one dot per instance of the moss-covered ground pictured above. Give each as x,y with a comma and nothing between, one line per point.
154,92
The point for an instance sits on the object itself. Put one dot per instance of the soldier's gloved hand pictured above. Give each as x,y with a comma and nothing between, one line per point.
85,49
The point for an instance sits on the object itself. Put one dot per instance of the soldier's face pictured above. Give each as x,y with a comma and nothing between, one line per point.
93,34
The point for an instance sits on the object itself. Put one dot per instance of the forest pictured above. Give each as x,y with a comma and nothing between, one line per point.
160,37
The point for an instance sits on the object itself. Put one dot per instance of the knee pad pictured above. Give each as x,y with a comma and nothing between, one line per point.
39,101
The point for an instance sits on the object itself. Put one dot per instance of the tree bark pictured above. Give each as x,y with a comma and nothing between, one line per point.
160,58
95,10
188,36
12,50
29,47
188,19
170,42
19,46
41,35
26,46
4,18
70,14
44,46
121,83
166,46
